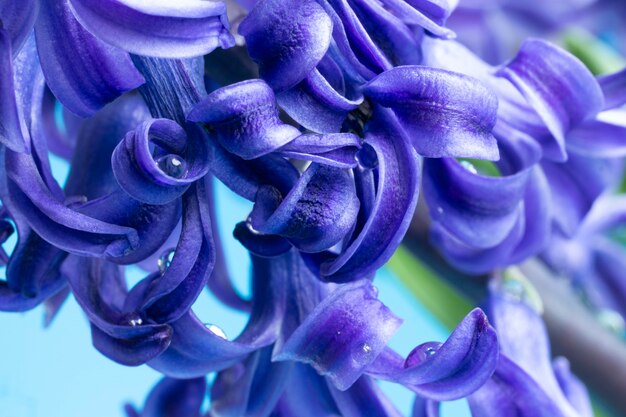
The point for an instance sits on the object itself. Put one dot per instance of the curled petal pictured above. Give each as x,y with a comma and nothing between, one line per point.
316,214
58,224
175,398
197,350
556,84
83,72
316,105
575,186
261,245
343,334
476,209
287,38
391,211
245,177
119,335
474,260
171,295
245,118
453,370
158,28
162,175
444,113
338,150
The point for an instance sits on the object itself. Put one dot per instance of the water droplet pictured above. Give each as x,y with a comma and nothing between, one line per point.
366,348
612,321
366,157
251,228
440,210
516,287
421,354
165,260
375,290
135,320
172,165
362,354
216,330
469,166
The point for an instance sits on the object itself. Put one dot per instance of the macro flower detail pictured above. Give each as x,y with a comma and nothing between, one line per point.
340,153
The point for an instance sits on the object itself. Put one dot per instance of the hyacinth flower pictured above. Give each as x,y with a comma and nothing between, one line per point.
359,105
593,260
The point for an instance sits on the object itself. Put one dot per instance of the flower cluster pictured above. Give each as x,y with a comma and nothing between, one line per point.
330,116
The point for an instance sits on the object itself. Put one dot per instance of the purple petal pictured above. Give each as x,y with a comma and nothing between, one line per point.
363,398
173,294
82,72
12,127
173,86
160,176
575,186
175,398
556,84
251,388
316,105
397,41
423,407
453,370
306,394
158,28
367,51
245,177
343,334
123,337
444,113
335,149
266,246
478,210
512,392
429,14
526,343
614,89
392,211
597,138
245,117
287,38
195,350
18,19
572,387
316,214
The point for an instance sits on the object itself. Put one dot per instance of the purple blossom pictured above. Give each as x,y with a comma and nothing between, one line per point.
359,105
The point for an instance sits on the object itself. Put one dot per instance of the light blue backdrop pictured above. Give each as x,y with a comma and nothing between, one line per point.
55,372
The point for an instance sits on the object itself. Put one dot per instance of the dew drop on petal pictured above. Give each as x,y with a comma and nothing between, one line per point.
612,321
216,330
172,165
165,260
135,320
421,354
469,166
366,157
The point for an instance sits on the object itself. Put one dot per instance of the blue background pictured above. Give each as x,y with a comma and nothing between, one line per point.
56,372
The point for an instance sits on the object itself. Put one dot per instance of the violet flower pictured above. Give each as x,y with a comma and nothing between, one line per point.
359,104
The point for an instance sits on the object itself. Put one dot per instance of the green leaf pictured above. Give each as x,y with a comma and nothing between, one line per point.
440,298
599,57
